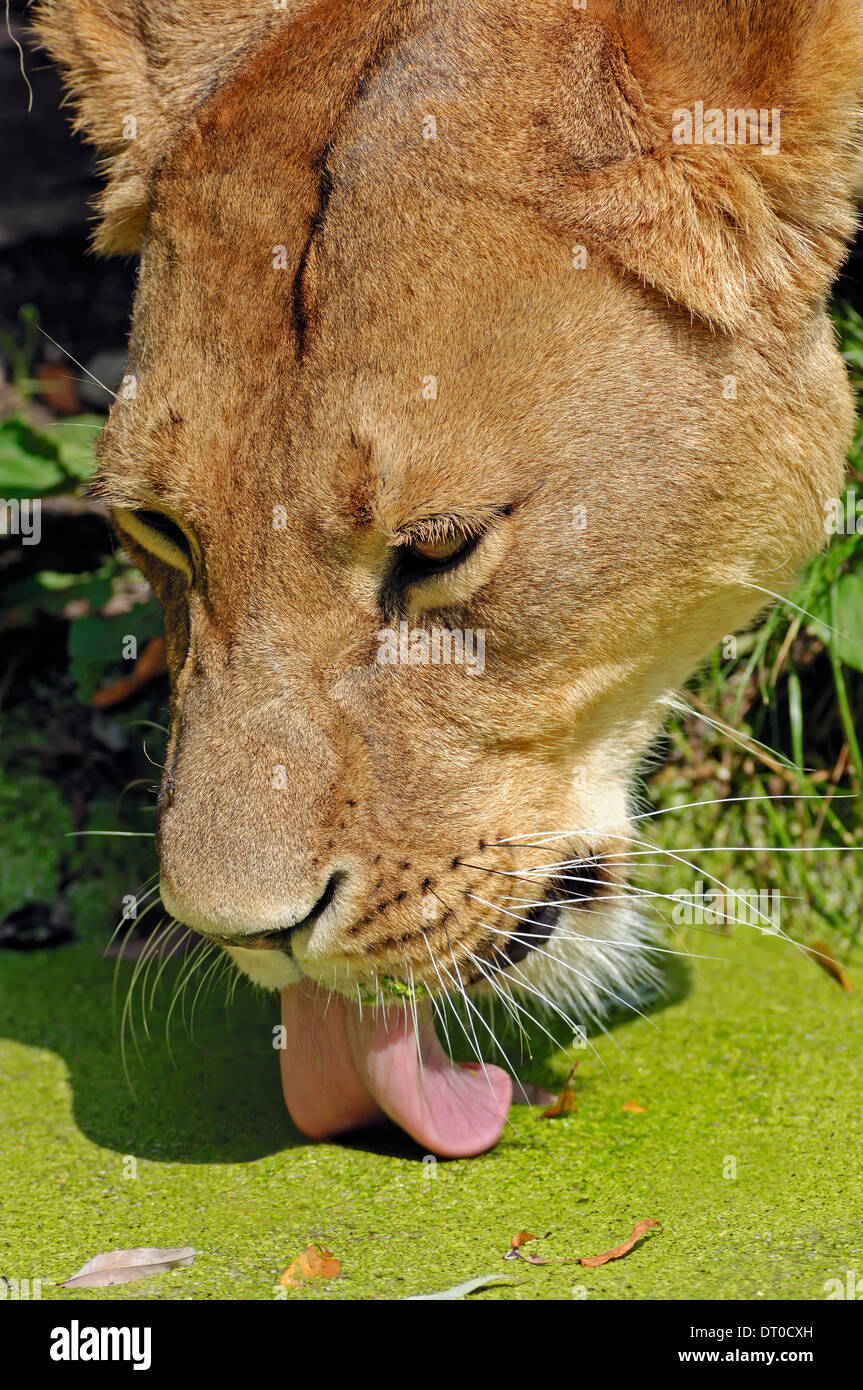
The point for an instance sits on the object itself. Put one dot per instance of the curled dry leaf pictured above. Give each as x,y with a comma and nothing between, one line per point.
639,1229
565,1102
516,1243
825,956
631,1107
515,1251
313,1263
124,1266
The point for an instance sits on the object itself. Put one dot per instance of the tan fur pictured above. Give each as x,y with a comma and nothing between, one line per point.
557,388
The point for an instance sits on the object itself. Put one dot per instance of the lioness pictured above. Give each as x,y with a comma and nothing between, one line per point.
479,381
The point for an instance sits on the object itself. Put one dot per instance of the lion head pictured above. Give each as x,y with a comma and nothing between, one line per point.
473,394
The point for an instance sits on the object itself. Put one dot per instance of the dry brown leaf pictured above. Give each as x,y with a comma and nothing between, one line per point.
631,1107
150,664
124,1266
565,1103
514,1251
825,956
639,1229
313,1263
58,388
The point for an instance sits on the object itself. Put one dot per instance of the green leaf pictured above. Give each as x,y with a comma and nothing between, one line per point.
74,440
29,463
845,616
24,600
848,619
80,585
96,644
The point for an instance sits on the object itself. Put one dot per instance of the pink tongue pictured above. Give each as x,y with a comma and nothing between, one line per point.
342,1069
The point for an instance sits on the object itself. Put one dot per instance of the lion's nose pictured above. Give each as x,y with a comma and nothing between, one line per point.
275,937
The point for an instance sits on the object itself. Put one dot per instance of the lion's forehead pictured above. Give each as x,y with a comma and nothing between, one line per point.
370,309
355,311
403,164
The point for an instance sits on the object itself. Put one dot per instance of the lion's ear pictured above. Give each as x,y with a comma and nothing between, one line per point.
725,147
99,48
134,72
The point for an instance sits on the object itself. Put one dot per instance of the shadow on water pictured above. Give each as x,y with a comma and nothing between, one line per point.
214,1095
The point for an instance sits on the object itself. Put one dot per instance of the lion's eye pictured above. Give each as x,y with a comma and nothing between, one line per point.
440,551
424,554
161,536
420,558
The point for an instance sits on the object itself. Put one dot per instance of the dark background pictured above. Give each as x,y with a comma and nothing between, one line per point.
49,179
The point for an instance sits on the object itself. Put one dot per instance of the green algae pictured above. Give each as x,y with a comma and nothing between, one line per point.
748,1150
388,988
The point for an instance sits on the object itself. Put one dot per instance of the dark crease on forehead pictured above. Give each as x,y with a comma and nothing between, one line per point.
355,49
302,292
208,248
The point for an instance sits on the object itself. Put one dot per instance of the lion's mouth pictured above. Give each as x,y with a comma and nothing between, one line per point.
346,1064
576,889
283,940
